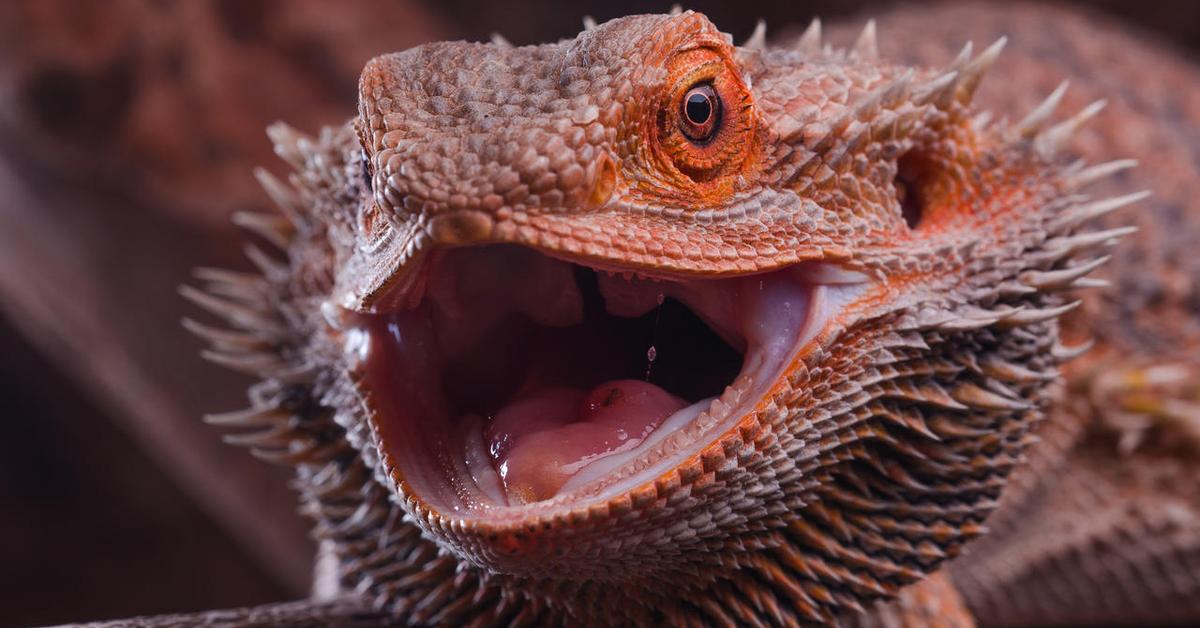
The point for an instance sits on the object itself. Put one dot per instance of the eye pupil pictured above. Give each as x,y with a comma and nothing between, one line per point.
700,113
698,108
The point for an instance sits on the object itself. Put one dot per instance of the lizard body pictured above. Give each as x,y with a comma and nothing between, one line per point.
941,246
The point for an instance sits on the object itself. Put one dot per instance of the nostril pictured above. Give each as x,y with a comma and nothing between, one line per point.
911,174
604,180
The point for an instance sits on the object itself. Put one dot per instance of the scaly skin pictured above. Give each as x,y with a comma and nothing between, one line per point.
1109,533
875,457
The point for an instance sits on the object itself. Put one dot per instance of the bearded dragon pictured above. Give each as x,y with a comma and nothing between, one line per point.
643,326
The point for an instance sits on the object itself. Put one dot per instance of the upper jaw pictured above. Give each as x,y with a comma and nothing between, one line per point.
767,232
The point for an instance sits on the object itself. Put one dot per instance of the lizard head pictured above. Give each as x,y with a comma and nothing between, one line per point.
645,302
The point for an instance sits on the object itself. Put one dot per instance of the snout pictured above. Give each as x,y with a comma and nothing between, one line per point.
464,144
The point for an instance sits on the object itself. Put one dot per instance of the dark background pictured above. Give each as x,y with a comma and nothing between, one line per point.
127,133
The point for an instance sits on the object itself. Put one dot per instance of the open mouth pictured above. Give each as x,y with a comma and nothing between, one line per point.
520,379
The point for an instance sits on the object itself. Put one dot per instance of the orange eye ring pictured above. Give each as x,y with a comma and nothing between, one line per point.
705,126
700,113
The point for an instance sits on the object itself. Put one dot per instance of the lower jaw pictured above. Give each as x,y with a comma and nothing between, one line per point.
447,458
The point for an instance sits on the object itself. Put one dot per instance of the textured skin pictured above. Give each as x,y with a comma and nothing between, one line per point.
1120,453
878,455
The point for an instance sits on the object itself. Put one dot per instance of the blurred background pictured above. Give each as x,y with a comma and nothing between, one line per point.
128,131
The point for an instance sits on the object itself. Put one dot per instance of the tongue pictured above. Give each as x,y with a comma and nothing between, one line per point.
540,441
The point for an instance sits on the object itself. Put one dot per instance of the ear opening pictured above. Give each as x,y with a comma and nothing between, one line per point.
912,172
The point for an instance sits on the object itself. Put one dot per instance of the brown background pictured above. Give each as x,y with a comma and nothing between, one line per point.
127,133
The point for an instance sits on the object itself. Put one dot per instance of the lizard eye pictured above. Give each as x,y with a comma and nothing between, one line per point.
700,113
706,124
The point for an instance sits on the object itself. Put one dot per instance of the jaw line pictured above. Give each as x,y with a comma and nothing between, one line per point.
831,291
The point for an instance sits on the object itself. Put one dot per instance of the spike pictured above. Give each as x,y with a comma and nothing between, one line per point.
1129,441
304,373
895,472
277,436
971,395
1004,370
937,89
1057,136
589,23
866,47
249,290
930,551
932,393
1073,168
897,90
256,364
810,42
249,417
1030,316
1029,440
274,228
980,122
244,281
1009,289
1087,283
912,420
235,313
942,89
332,481
226,338
499,40
885,96
1033,123
285,456
1002,389
1063,278
287,141
758,39
284,197
1064,353
271,268
973,73
1066,246
675,9
964,56
948,426
974,318
968,360
1099,171
1079,214
930,318
967,324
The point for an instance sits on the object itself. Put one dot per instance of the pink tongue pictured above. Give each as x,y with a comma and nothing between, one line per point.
539,442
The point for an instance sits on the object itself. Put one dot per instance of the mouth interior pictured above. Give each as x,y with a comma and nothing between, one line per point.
520,377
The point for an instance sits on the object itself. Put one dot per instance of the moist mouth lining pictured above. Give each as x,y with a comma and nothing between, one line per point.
520,378
668,346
